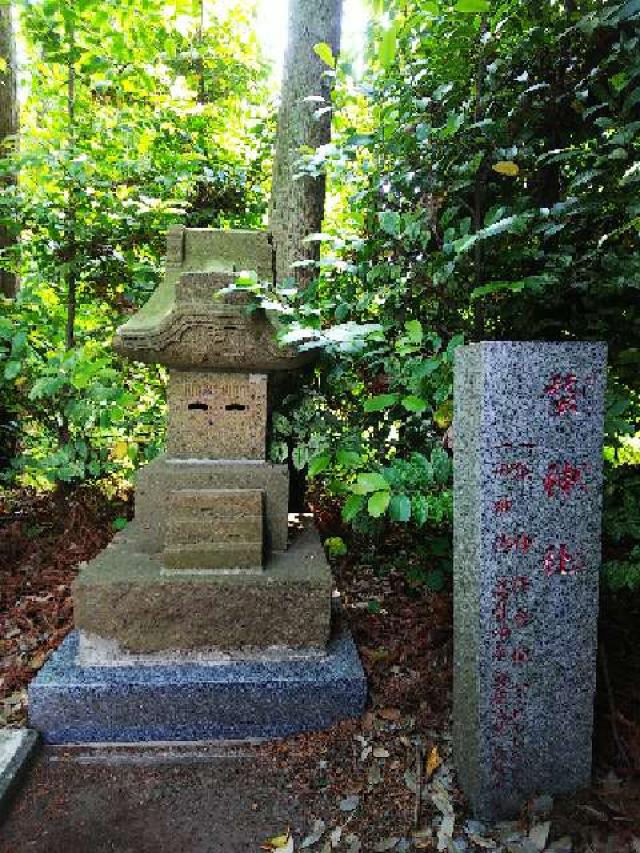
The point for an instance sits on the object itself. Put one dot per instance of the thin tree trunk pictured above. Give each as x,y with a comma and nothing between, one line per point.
72,277
9,125
200,49
297,206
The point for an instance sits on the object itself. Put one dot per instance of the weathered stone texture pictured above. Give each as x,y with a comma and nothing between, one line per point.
214,529
156,481
188,323
528,487
216,250
217,415
125,595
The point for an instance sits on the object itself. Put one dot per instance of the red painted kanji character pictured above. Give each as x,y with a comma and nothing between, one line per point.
501,589
562,389
522,618
521,654
501,721
525,542
513,470
569,563
500,652
549,564
561,561
565,479
501,679
502,633
521,584
504,542
500,611
519,542
500,696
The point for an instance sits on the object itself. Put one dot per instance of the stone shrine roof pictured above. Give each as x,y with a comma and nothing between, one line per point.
188,323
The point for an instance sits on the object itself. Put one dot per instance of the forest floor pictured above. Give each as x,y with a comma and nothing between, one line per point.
384,782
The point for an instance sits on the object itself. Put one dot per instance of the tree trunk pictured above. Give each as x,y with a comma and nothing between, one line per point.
297,206
8,123
71,212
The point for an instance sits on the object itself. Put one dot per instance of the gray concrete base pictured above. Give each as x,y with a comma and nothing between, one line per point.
69,703
16,748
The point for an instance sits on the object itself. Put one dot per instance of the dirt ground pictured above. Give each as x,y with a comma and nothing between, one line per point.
381,783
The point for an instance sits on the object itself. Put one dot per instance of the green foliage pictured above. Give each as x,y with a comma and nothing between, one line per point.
335,546
134,119
488,167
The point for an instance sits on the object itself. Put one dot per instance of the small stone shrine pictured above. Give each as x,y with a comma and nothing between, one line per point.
528,428
211,615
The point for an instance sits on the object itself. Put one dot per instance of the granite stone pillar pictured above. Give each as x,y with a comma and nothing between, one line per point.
528,490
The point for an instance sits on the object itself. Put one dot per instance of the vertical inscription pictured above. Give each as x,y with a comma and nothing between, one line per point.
530,466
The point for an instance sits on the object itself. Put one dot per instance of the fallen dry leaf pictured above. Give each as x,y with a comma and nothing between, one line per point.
433,762
539,833
385,844
280,842
315,835
392,714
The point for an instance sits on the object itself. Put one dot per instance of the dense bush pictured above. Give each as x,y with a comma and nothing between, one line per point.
489,166
136,117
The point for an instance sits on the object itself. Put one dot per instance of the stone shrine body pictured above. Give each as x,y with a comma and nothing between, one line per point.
212,599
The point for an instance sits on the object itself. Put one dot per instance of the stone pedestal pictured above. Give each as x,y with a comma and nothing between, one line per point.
210,615
527,496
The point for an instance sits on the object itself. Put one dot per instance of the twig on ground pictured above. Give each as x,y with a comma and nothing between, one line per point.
419,773
612,708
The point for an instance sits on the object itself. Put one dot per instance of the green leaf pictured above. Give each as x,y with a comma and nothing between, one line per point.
348,458
441,465
443,415
414,331
380,402
414,404
119,523
388,46
390,222
12,369
497,287
352,507
370,482
435,580
420,509
300,456
319,463
378,503
323,50
342,312
335,546
506,167
473,6
400,508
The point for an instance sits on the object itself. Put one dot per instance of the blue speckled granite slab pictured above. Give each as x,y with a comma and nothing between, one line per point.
265,699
